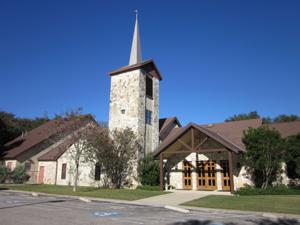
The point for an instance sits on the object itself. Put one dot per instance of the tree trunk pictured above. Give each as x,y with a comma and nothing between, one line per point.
76,177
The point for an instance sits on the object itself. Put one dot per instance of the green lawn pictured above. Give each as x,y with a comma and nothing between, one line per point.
123,194
260,203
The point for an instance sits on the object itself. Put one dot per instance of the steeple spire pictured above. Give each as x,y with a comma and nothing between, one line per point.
136,53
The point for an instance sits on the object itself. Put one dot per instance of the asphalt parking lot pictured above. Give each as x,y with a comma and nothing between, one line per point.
19,208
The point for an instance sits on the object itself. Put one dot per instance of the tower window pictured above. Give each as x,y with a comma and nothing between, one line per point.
123,111
148,116
149,87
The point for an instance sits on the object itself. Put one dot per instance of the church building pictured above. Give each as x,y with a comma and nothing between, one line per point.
192,157
198,157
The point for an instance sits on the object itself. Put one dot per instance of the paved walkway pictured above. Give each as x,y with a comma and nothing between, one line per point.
177,197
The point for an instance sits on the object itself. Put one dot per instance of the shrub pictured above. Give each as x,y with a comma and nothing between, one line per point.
19,175
4,174
148,188
276,190
148,171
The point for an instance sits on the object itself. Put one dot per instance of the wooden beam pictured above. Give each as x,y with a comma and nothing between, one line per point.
193,138
185,145
230,160
161,169
201,143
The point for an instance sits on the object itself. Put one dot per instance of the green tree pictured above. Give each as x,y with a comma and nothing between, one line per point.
286,118
12,126
264,154
117,154
243,116
148,171
292,156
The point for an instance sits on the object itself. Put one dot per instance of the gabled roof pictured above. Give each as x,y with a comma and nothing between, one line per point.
229,134
164,123
177,133
36,136
148,65
56,152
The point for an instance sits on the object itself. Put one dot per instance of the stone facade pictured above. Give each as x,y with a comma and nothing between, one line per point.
128,105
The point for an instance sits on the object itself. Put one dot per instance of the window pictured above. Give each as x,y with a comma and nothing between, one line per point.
123,111
149,87
63,171
27,166
148,117
97,171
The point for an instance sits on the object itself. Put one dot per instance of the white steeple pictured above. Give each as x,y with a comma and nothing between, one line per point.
136,53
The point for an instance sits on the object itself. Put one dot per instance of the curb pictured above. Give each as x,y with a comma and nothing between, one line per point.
263,214
182,208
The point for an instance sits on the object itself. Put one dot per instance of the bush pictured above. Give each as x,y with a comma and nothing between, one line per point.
276,190
18,175
148,188
4,174
148,171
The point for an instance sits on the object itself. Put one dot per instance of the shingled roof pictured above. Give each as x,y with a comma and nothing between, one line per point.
148,65
229,134
34,137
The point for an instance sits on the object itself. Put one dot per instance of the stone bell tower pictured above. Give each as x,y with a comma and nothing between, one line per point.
134,97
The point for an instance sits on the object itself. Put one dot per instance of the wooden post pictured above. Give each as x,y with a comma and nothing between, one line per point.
193,140
161,168
230,160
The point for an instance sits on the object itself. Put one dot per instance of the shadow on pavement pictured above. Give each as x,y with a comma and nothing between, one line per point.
257,222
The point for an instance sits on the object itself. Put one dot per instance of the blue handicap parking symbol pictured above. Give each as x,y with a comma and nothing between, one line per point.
104,214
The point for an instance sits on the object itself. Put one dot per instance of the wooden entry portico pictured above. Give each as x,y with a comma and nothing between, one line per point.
197,139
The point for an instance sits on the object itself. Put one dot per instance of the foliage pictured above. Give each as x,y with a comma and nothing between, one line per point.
4,173
264,153
12,126
265,120
19,175
276,190
116,153
292,156
244,116
149,187
286,118
148,171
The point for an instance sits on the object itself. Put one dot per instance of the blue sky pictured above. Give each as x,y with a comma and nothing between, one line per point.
217,58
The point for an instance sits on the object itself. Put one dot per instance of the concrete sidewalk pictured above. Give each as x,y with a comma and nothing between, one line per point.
177,197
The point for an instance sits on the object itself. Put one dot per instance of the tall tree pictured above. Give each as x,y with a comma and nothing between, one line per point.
264,154
243,116
117,153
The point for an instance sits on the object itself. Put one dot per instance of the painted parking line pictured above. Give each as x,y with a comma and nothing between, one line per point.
106,214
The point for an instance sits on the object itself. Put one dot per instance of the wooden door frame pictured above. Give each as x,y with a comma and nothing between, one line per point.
39,179
206,175
183,176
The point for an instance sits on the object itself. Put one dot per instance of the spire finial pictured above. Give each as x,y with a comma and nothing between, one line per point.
136,54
